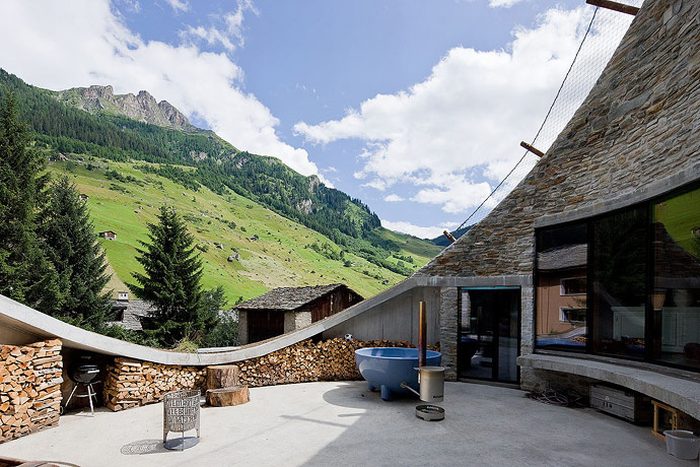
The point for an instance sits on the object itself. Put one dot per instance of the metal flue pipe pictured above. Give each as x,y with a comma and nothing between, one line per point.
422,334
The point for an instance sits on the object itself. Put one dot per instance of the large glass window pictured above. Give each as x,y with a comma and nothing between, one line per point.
561,287
618,283
676,294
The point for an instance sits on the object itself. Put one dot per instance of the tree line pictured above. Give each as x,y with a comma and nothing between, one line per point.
50,258
219,166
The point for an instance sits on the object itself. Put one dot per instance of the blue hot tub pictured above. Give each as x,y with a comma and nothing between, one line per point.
385,368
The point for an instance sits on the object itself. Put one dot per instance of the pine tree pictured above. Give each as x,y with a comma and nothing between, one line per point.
77,257
171,279
25,275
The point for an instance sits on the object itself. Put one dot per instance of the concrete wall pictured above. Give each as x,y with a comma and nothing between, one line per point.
396,319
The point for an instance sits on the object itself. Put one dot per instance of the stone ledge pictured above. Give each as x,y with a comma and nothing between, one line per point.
677,392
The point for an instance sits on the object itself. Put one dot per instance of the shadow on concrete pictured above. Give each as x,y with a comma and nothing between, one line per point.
351,396
484,425
143,446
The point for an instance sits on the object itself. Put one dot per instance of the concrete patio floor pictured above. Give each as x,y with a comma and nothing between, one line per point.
344,424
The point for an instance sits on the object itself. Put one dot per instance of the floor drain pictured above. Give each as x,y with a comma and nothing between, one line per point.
431,413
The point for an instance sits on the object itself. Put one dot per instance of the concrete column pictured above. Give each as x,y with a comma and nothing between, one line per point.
242,327
528,378
448,330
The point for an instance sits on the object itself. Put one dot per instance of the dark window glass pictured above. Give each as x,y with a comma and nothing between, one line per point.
676,295
561,287
618,279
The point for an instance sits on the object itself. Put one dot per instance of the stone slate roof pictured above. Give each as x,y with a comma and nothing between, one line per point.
288,298
639,124
132,311
568,257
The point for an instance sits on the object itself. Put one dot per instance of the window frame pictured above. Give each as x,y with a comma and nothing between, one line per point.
651,267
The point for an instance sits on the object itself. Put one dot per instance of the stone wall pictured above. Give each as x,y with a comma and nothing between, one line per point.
131,383
294,320
635,136
449,317
637,126
30,387
242,327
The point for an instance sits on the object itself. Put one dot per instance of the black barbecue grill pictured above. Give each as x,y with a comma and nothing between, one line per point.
85,374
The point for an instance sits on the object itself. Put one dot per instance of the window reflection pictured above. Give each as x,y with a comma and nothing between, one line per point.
561,287
618,280
676,295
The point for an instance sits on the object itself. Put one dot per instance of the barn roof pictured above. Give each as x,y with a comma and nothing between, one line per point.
133,311
289,298
570,256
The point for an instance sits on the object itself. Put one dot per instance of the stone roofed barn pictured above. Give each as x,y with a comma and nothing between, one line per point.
618,190
129,314
286,309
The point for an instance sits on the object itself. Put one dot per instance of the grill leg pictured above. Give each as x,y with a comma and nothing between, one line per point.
91,393
71,395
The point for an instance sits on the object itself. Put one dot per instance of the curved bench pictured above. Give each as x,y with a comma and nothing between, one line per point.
681,390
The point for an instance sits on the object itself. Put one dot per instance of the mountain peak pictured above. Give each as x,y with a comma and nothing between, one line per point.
142,107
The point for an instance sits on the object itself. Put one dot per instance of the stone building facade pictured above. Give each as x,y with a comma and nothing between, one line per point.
634,137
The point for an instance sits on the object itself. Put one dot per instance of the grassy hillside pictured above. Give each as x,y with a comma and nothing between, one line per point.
272,250
194,157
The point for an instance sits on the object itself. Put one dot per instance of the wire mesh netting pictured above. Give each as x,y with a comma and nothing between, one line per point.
600,36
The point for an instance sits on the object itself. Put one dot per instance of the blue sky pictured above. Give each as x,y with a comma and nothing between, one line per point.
415,107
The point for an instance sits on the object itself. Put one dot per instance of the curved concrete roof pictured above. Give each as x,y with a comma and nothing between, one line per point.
26,323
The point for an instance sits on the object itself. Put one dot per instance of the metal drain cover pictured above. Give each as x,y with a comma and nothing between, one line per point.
430,413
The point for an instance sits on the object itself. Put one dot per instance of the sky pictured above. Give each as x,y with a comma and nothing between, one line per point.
415,107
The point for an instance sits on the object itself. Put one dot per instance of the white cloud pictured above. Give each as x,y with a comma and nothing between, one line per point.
393,198
503,3
179,5
456,134
417,230
226,31
93,46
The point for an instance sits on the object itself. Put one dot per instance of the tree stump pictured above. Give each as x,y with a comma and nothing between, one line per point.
226,397
222,376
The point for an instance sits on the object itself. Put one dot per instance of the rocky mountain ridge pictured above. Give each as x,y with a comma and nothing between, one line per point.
141,107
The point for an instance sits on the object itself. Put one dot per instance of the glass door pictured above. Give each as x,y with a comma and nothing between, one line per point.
489,334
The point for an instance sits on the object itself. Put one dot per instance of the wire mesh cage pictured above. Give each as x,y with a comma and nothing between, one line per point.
181,414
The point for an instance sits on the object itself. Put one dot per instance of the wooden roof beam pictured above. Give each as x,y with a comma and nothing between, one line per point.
532,149
615,6
449,236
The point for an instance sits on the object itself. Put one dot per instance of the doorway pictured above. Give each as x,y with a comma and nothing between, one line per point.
489,337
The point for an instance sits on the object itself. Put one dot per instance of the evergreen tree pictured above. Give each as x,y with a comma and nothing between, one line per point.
77,257
171,281
25,275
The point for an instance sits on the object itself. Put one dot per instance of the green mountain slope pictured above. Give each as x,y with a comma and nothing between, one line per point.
266,249
258,223
200,158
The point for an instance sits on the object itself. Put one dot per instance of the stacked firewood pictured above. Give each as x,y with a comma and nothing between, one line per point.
131,383
30,387
330,360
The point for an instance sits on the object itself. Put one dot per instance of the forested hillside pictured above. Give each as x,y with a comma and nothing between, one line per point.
200,158
129,168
